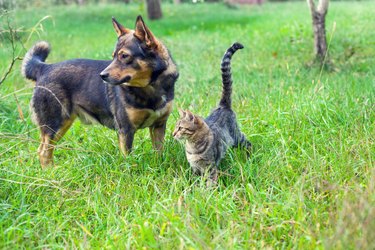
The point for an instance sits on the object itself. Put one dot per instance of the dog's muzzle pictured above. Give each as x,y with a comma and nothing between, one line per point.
104,76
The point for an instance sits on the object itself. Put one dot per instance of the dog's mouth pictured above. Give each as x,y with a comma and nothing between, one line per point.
112,81
126,79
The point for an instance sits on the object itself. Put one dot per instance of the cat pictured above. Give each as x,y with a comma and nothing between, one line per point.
207,140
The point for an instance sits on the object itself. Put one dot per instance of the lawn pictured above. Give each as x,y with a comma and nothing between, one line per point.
308,184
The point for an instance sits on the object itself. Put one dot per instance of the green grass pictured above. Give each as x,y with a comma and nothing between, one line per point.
309,183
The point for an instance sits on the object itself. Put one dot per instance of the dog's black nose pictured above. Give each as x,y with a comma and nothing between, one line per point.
104,76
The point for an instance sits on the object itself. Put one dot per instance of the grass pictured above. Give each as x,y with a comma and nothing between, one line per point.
309,183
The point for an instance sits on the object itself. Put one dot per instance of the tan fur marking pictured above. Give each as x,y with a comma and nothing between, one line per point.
122,140
45,151
168,109
157,132
137,116
124,51
47,145
64,128
139,78
142,118
157,137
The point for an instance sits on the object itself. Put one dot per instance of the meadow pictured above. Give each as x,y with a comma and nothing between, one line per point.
309,183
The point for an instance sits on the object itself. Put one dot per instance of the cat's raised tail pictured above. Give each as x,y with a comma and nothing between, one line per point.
226,99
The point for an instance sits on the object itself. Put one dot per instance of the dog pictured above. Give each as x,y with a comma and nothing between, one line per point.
133,91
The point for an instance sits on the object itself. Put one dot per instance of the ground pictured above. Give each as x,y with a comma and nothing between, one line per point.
308,184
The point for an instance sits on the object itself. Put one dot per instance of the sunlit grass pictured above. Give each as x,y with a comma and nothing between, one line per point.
308,183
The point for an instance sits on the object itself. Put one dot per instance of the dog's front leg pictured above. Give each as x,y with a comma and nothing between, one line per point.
126,138
157,136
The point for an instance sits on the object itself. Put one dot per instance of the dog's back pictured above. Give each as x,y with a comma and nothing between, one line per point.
64,73
66,89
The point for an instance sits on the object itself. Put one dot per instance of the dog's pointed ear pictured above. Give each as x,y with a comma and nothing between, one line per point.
120,30
144,34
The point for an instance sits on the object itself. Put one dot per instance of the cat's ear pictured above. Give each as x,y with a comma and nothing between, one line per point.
182,113
197,120
189,116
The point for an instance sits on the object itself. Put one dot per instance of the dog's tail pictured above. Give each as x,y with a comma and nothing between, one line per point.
226,99
33,62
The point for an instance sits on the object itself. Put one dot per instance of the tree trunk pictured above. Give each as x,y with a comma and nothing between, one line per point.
320,41
81,2
126,1
154,9
318,21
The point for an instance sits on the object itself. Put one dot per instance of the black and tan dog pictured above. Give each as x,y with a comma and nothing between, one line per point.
137,91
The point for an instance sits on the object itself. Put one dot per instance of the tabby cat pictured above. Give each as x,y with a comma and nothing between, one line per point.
207,140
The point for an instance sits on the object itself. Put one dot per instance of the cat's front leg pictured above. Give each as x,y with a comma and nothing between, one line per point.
213,177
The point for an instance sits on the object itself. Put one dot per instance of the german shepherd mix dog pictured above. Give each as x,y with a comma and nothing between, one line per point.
135,90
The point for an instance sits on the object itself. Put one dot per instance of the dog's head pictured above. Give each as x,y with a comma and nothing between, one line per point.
138,57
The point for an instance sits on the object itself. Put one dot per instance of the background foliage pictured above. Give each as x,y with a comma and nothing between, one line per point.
308,184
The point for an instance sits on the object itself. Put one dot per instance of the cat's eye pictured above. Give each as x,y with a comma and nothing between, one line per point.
187,131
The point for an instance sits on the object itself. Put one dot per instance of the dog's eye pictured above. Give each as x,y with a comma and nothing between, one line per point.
124,56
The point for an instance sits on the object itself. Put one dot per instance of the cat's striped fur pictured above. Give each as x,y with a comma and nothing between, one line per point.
207,140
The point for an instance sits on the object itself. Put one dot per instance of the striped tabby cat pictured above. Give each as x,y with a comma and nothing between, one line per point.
207,140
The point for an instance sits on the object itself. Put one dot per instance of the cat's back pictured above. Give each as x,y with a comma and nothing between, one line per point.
221,117
223,123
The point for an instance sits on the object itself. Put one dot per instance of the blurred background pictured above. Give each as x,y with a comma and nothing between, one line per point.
309,111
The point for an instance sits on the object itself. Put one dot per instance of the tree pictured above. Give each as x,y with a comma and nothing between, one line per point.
11,35
81,2
154,9
318,21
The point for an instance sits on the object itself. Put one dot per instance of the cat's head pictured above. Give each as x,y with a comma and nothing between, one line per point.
188,125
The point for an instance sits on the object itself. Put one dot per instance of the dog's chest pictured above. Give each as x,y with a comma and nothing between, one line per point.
143,118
